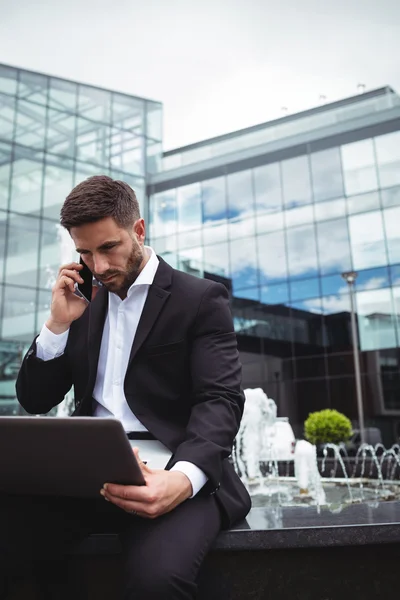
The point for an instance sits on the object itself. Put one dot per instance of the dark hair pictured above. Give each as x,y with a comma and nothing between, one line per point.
97,198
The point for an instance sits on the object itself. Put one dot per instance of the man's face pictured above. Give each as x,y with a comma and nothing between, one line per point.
114,255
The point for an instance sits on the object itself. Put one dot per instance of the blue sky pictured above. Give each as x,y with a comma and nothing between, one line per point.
216,66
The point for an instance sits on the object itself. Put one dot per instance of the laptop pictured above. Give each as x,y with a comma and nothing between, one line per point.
65,456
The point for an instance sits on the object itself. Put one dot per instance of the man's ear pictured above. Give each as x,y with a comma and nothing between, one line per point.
139,229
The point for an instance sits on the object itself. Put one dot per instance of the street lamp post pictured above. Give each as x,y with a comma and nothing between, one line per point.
350,278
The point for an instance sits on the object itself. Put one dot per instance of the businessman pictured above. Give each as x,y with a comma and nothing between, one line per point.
155,348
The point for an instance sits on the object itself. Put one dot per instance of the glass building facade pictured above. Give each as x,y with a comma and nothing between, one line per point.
54,134
277,213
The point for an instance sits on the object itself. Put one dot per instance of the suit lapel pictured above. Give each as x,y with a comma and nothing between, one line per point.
156,299
97,316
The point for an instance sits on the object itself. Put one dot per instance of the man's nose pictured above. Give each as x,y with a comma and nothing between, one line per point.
100,265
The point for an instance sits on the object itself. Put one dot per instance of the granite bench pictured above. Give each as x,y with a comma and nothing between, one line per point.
280,553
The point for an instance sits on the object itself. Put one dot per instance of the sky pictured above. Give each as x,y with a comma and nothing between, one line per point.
216,65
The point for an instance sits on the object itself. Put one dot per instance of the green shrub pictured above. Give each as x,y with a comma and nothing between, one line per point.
327,426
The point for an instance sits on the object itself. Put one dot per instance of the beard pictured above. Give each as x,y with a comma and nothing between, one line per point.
121,284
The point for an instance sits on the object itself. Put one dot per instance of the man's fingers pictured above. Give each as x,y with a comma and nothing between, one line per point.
74,266
67,282
141,509
131,493
72,274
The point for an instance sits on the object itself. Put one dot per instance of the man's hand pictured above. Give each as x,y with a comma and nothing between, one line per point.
66,306
163,491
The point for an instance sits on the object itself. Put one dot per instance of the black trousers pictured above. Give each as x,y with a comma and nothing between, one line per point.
161,557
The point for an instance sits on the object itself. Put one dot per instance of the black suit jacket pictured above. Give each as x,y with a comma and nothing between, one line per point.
183,380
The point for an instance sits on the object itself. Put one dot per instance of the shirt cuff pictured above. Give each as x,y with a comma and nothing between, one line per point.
50,345
195,475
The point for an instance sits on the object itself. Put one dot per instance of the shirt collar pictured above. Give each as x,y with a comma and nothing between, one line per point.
147,274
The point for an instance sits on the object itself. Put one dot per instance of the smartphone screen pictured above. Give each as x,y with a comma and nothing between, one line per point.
85,288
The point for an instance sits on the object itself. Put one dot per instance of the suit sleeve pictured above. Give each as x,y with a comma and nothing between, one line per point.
217,396
41,384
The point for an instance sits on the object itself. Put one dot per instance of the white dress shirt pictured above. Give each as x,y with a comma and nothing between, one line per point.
118,334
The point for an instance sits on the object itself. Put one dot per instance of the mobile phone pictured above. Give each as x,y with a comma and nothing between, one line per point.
85,288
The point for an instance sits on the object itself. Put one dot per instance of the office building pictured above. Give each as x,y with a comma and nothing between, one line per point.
278,212
53,134
275,212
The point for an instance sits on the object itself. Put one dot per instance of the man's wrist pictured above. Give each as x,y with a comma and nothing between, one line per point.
57,328
187,489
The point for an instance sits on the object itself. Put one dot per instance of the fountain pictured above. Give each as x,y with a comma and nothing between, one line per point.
310,484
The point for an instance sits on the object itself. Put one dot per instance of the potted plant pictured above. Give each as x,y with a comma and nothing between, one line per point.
327,426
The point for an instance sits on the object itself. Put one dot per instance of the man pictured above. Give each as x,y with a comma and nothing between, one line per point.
155,348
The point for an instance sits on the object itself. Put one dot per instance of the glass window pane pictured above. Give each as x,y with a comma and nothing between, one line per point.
94,104
371,279
367,240
359,167
57,185
390,196
333,246
22,250
268,197
391,218
363,203
85,170
56,248
3,229
296,181
214,210
128,113
302,289
189,239
31,122
153,156
326,170
240,204
337,303
268,188
5,169
63,95
272,260
333,284
33,87
163,217
302,251
299,216
189,207
243,262
191,261
396,300
166,246
19,314
330,209
388,157
60,135
127,152
216,260
154,120
7,117
376,323
93,142
8,80
26,185
275,294
43,308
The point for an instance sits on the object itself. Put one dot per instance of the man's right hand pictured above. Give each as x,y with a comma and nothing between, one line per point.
66,306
